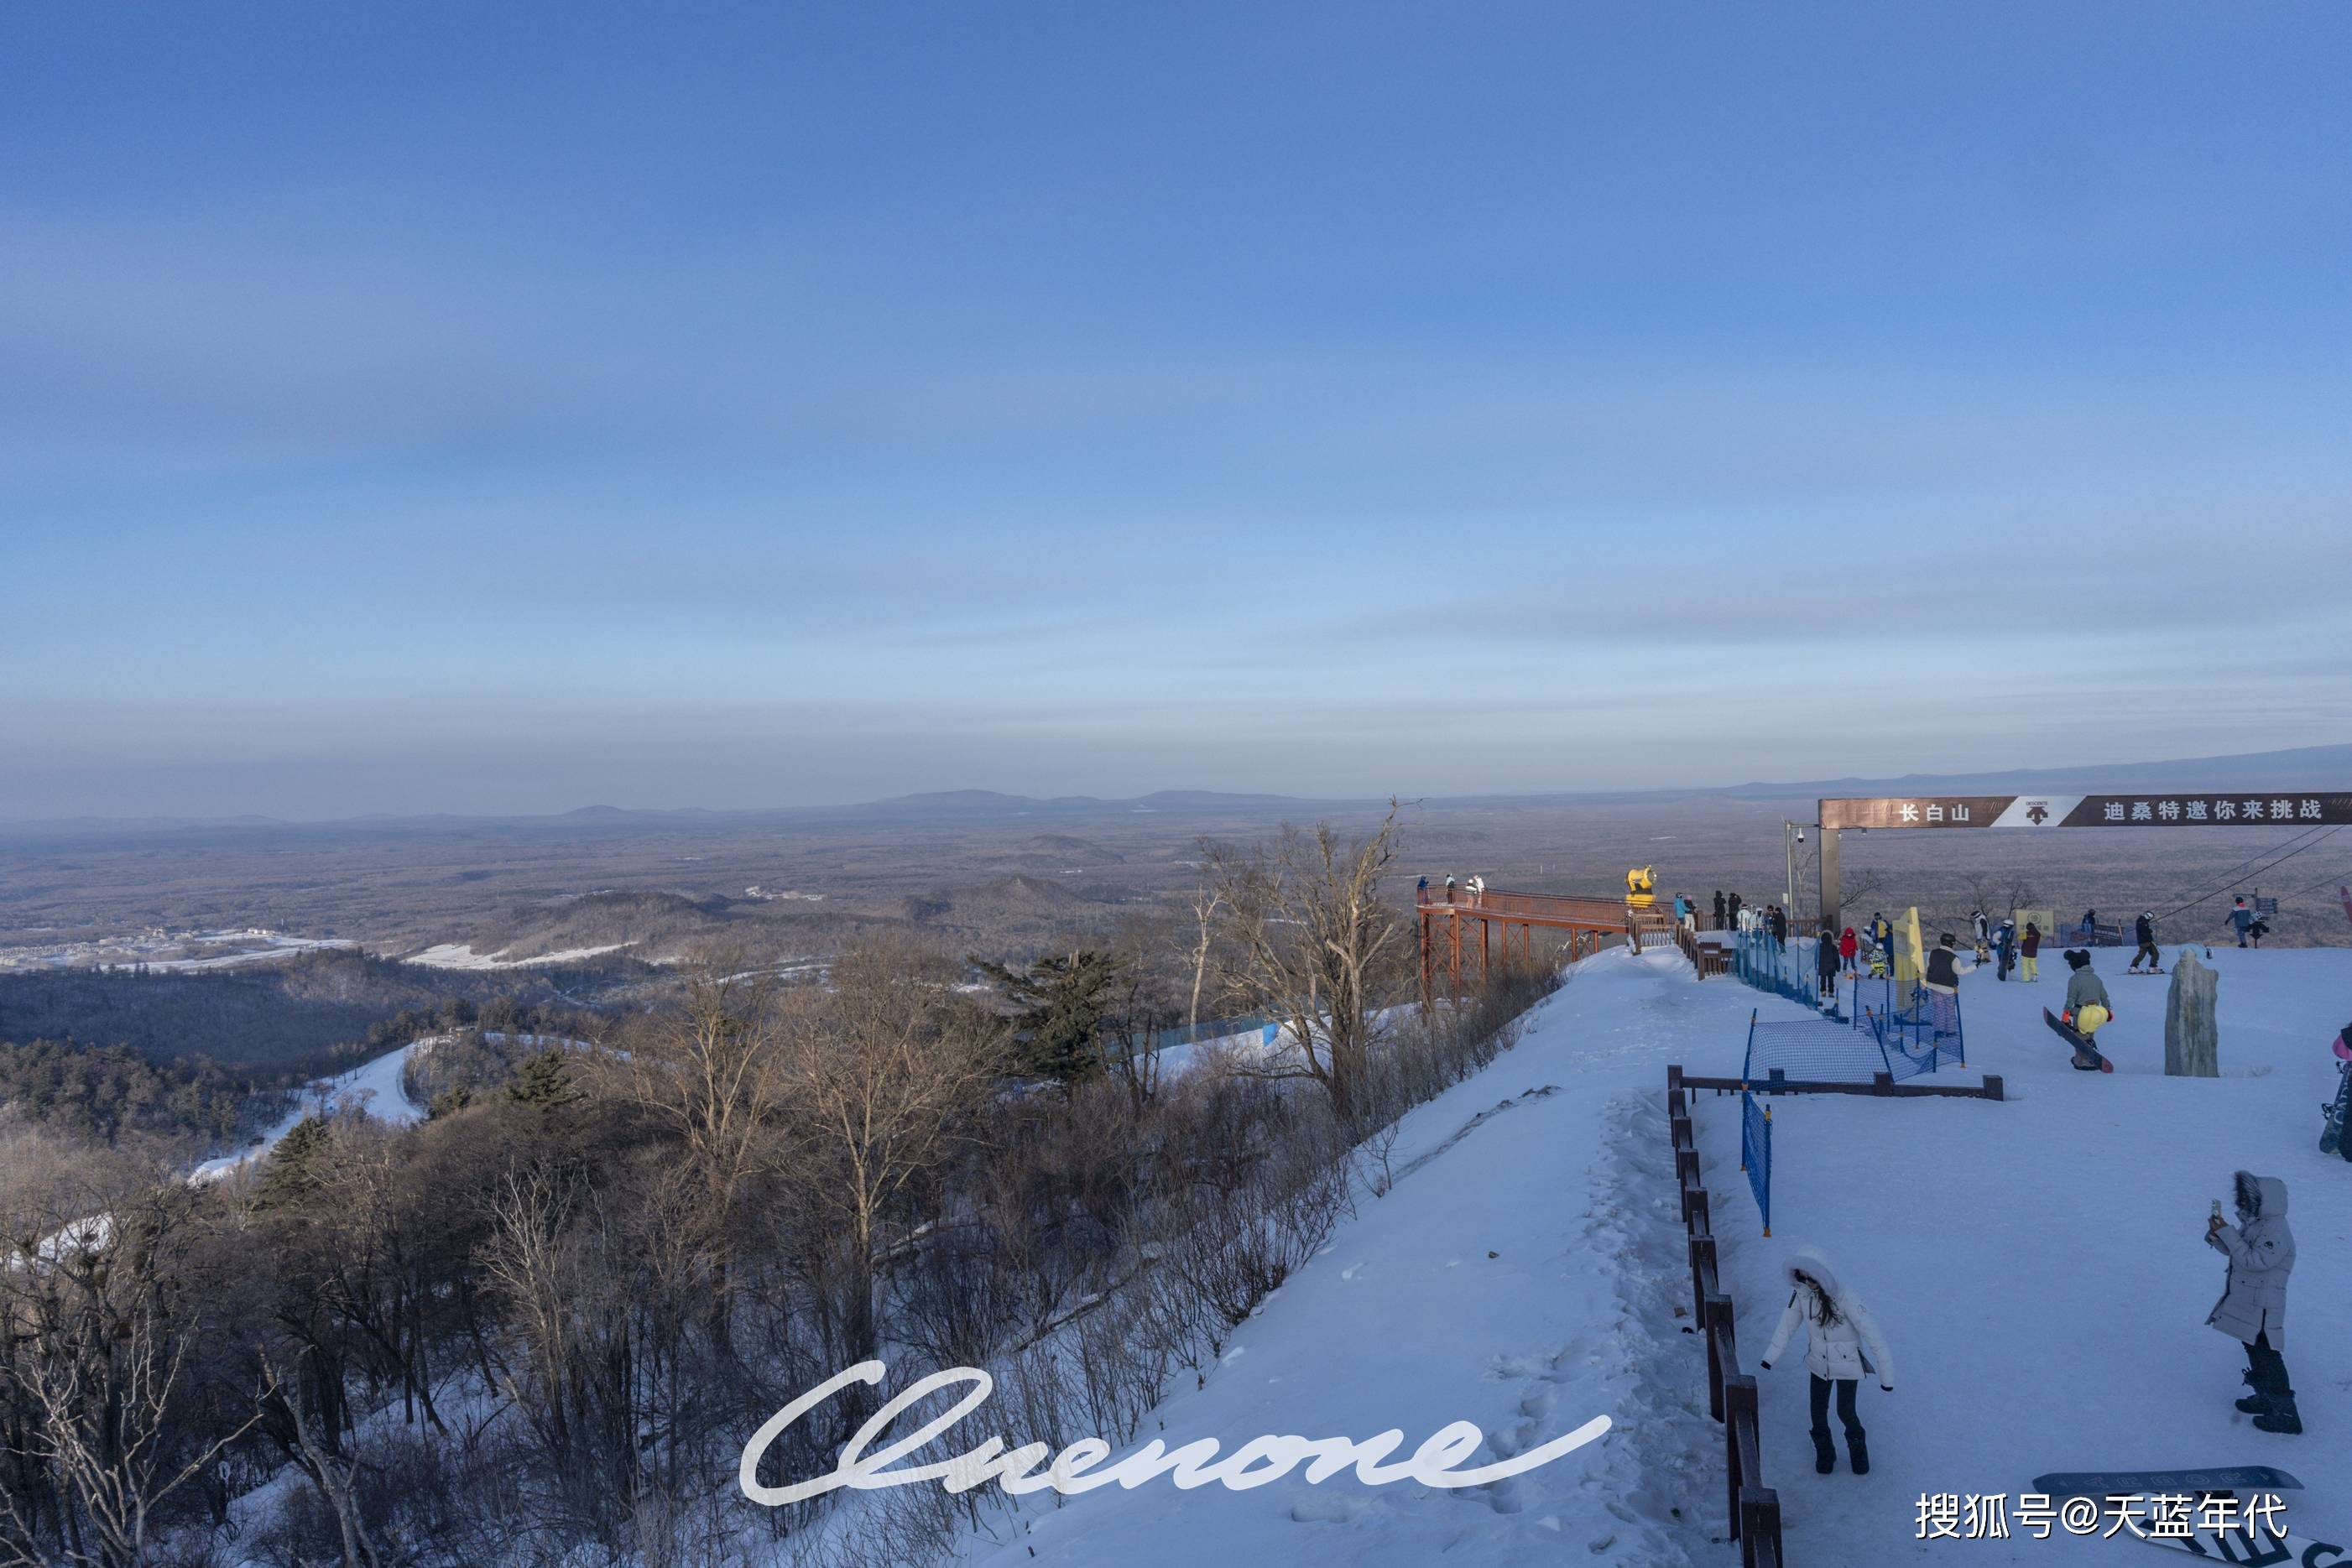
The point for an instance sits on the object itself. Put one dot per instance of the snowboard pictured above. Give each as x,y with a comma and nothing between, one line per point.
2265,1548
2331,1141
2148,971
2151,1483
2081,1043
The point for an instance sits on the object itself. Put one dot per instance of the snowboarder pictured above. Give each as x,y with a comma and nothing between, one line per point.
2144,932
1982,927
2242,918
1848,946
1944,966
1718,909
1841,1343
1731,903
2087,1007
2252,1308
1882,933
1780,919
2332,1139
1826,965
2029,952
2004,942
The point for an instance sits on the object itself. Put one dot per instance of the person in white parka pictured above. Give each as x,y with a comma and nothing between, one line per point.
1843,1345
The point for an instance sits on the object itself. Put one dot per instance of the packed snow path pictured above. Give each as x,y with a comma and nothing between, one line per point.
2037,1265
373,1086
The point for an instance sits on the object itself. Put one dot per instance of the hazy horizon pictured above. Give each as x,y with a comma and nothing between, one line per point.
766,408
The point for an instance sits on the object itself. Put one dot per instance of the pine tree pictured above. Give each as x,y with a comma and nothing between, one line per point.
1061,1002
542,1081
451,1100
293,1169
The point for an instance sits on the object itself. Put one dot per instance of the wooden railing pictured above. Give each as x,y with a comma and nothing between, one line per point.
1706,958
1881,1084
1540,907
1754,1507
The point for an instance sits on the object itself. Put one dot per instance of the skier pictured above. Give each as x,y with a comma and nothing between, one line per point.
1944,966
1826,965
2144,932
1848,946
2087,1007
2252,1308
1842,1343
2029,951
2241,917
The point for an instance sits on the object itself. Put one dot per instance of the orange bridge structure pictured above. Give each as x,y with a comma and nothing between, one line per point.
1589,922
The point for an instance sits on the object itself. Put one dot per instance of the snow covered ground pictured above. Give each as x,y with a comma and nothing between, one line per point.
165,952
2037,1265
461,955
373,1086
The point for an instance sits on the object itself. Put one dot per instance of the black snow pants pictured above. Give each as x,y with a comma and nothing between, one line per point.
2265,1369
2147,951
1852,1422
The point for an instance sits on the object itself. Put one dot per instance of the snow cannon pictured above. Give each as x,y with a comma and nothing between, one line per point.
1641,885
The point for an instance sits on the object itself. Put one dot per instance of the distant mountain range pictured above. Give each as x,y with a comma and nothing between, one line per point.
2303,768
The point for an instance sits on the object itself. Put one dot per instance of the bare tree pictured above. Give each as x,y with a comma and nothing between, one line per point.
1313,943
1206,903
102,1328
714,1073
886,1069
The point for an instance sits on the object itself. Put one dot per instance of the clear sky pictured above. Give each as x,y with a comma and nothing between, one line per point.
507,407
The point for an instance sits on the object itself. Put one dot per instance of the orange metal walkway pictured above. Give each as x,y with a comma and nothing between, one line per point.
1588,921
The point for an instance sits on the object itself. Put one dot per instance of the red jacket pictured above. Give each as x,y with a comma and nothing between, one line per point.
1846,944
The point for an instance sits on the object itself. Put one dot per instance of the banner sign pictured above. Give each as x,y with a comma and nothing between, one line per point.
2142,809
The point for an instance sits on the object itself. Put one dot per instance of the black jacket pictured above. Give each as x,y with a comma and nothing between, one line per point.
1940,968
2144,931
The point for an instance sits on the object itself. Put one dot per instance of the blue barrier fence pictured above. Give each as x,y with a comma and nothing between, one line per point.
1785,969
1755,1154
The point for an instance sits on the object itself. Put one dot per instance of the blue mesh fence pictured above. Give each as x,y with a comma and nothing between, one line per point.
1815,1051
1755,1154
1785,969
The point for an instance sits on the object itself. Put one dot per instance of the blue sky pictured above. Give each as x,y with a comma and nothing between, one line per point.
505,408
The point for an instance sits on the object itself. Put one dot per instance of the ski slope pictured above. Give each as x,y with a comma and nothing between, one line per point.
2037,1265
373,1086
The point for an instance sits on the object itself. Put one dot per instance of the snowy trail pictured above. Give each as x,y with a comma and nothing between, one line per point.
374,1085
1406,1320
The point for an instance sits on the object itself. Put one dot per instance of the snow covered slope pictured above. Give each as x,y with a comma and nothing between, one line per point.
2037,1265
373,1086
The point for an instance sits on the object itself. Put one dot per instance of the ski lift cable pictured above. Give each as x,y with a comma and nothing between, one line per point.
2341,878
2235,871
2282,860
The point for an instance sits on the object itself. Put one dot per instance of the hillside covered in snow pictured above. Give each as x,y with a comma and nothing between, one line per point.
2037,1265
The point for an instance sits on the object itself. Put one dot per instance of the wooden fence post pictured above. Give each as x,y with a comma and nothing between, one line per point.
1740,1415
